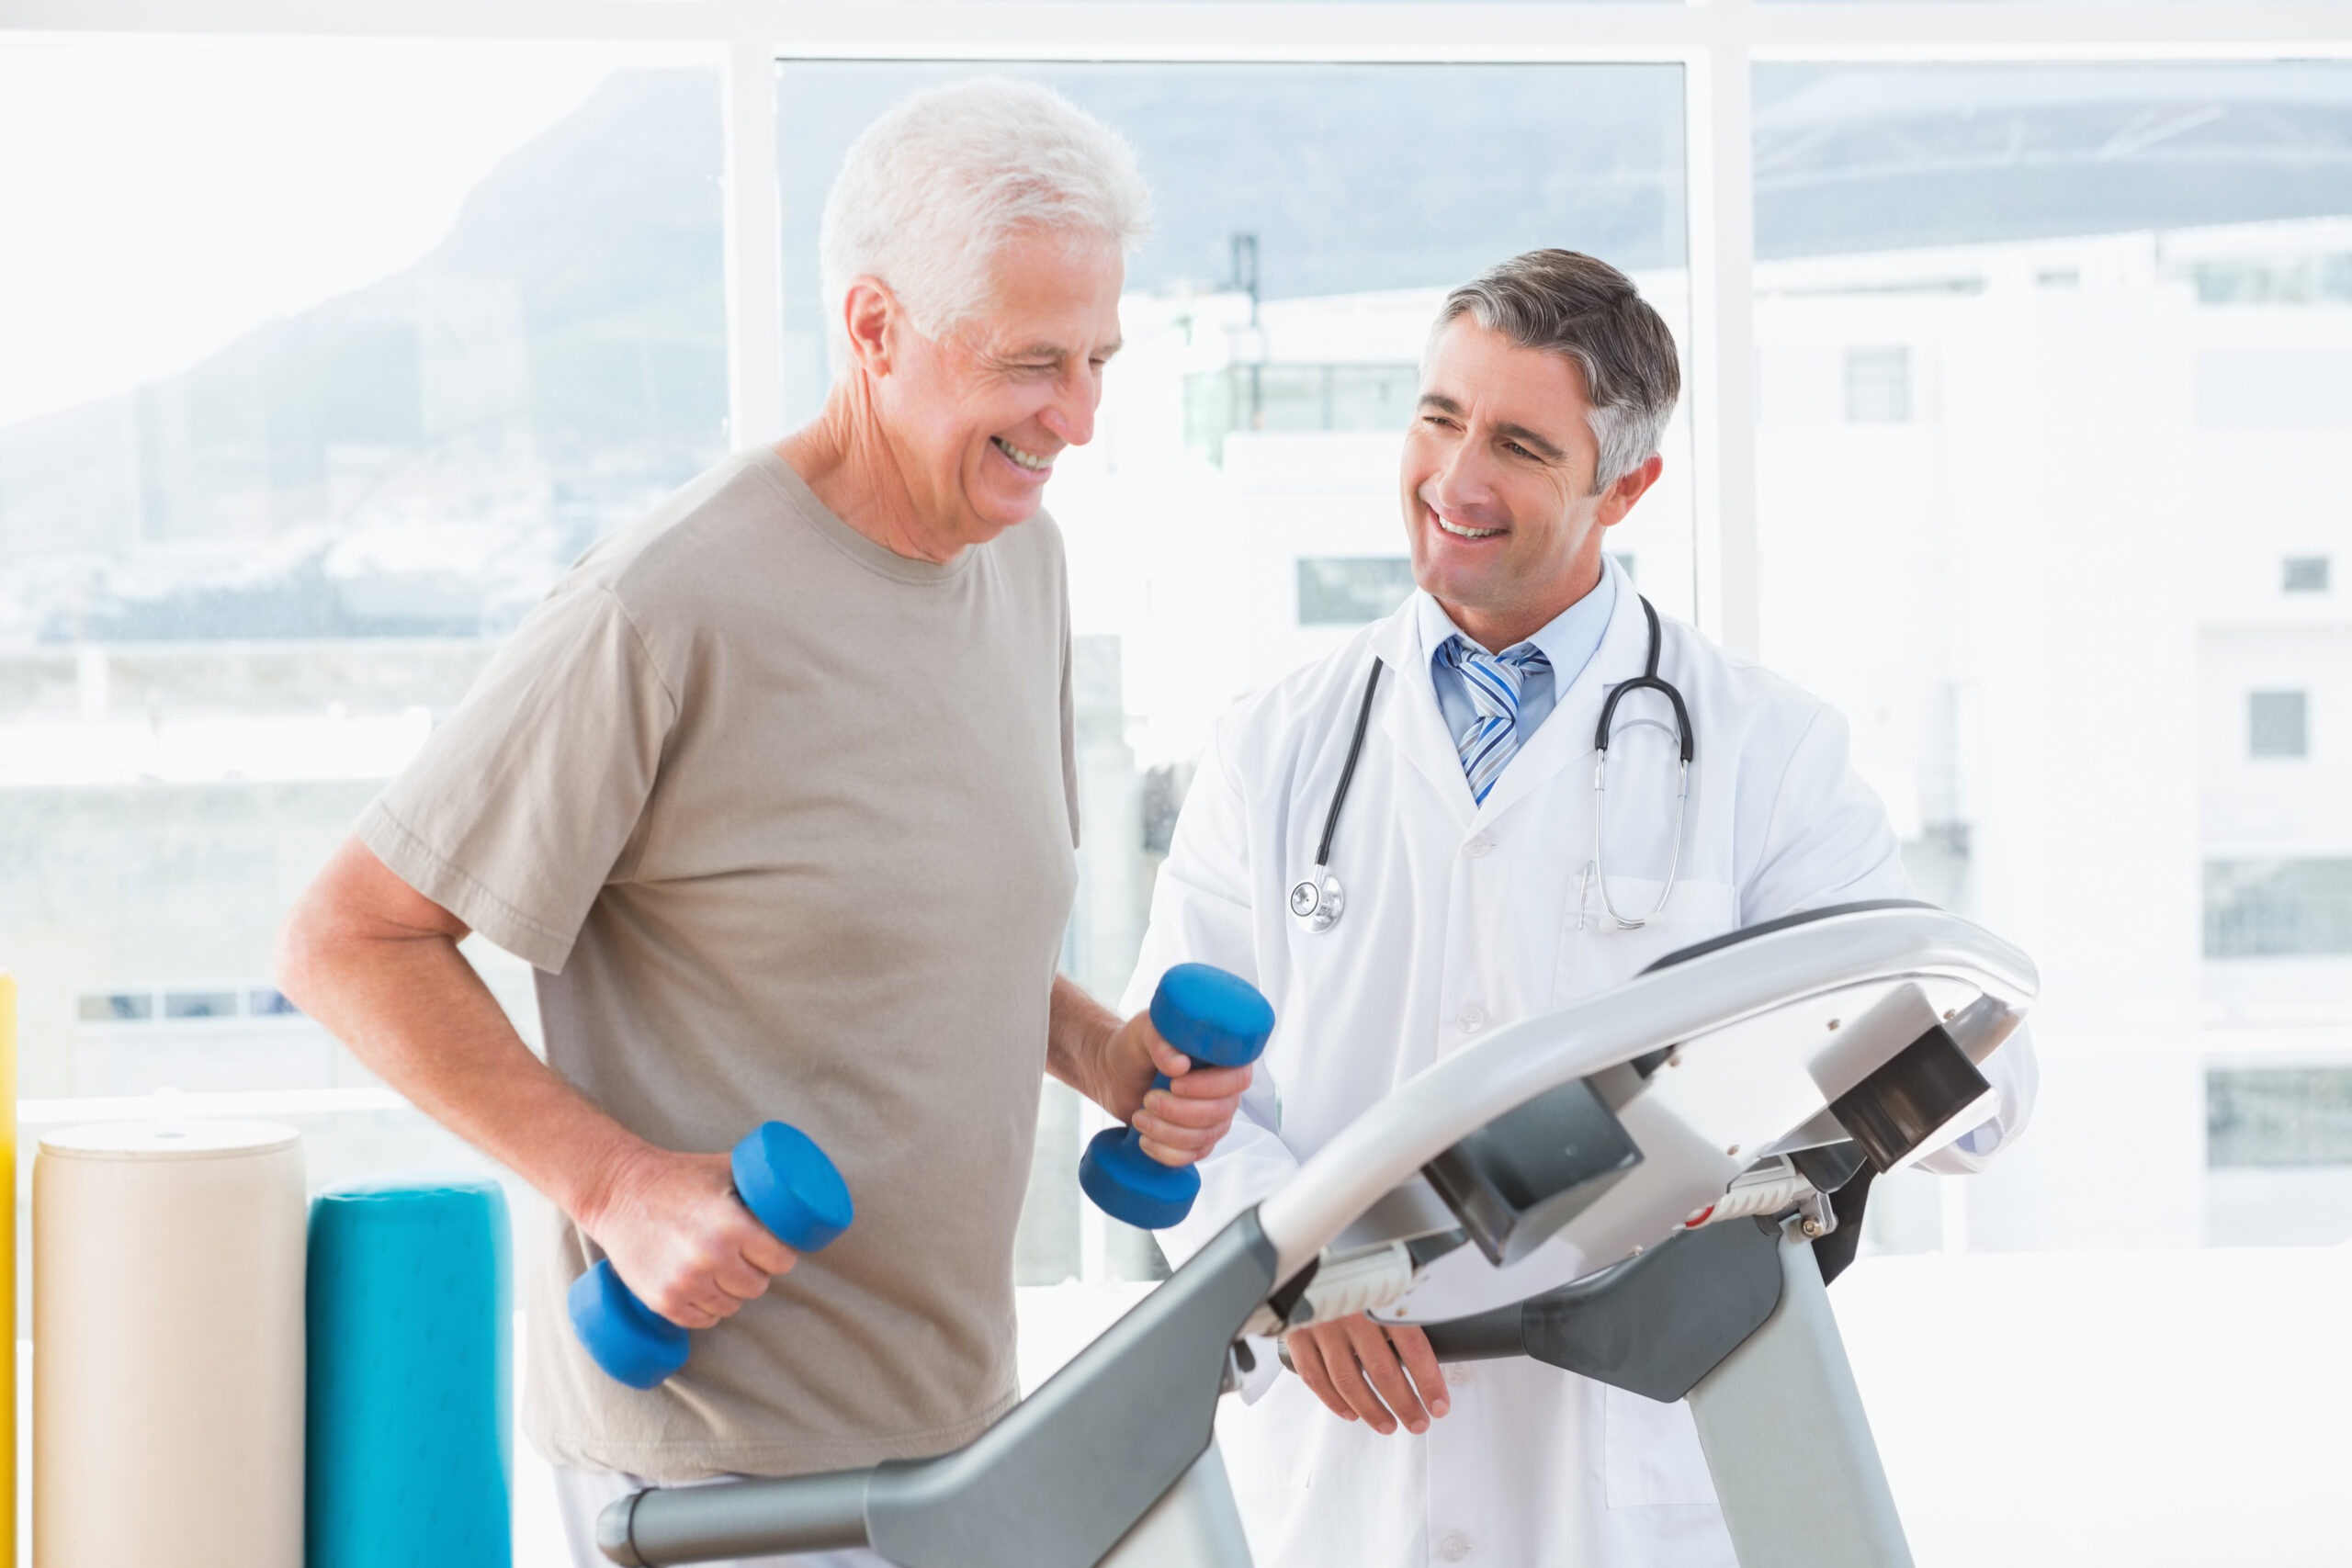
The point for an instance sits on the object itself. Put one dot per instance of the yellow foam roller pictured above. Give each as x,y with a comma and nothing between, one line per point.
8,1268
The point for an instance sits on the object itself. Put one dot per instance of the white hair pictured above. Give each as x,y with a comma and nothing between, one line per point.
929,193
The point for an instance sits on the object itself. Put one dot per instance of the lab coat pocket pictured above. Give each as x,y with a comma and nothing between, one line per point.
1597,952
1651,1453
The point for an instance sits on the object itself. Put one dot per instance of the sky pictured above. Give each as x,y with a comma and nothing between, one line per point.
159,200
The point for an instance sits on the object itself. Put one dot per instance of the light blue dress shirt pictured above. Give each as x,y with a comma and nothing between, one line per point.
1568,640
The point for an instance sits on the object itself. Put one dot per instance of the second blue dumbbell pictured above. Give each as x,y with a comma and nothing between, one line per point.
1219,1020
789,1186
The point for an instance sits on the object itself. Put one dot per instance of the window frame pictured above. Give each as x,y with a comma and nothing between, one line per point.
1716,42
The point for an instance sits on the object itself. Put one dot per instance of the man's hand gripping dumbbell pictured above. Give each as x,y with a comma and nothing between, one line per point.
779,1196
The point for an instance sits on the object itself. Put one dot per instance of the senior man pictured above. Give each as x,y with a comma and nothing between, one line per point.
1477,893
776,792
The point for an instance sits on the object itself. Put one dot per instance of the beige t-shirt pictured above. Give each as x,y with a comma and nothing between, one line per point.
785,822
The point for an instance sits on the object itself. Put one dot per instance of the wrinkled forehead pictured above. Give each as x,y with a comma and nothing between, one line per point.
1050,291
1480,375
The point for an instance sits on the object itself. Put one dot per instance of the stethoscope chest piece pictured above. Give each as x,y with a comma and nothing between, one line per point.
1319,905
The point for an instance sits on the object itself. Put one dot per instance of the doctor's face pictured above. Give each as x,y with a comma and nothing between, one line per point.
1500,507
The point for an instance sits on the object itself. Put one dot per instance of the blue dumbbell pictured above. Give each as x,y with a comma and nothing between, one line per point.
789,1186
1219,1020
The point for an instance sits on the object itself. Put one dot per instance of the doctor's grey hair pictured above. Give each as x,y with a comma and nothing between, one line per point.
1567,302
930,192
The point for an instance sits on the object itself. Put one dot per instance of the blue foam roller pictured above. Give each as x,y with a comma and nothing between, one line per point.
410,1460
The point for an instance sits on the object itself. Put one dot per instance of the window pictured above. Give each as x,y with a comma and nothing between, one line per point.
264,525
1339,591
249,564
2277,1116
2282,908
200,1004
1938,207
1258,396
114,1007
1877,386
2275,724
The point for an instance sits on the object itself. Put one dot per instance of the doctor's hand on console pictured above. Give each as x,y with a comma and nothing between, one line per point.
1380,1373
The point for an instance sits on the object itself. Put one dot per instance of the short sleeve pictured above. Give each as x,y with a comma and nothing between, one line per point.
516,811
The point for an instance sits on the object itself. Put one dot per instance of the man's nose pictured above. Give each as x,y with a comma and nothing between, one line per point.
1462,482
1071,413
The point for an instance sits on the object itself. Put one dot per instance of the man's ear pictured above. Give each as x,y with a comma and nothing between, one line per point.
868,311
1629,489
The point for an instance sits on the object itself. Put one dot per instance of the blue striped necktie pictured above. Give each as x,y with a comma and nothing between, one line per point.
1492,679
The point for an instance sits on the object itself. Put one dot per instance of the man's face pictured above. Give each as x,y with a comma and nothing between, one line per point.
1497,483
976,418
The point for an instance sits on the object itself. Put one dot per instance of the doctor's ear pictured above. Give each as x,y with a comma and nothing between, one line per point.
1619,499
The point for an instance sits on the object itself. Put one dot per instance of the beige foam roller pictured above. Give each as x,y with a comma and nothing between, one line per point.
167,1346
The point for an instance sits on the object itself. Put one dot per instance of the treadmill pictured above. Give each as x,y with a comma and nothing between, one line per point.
1649,1188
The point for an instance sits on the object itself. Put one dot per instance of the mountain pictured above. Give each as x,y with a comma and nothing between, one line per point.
557,360
423,455
1872,158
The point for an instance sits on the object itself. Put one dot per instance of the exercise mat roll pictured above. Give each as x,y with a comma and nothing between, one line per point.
167,1346
411,1350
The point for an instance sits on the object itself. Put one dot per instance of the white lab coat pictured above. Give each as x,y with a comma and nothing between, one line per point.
1462,918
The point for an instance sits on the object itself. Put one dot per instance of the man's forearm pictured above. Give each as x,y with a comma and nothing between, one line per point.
414,1012
1077,1031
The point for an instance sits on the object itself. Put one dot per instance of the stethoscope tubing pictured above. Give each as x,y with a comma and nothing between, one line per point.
1318,901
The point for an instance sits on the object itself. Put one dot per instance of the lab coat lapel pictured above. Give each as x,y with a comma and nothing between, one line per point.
1412,722
1565,736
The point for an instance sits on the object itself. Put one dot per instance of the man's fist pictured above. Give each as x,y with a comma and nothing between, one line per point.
1183,1122
681,1239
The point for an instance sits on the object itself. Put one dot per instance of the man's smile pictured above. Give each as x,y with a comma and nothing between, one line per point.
1029,460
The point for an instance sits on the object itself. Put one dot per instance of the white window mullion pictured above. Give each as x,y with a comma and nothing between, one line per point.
1723,333
754,241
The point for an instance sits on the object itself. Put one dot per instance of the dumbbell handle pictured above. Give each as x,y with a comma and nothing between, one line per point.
1210,1042
1133,1140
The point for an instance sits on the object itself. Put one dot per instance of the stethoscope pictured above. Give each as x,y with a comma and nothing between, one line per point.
1318,901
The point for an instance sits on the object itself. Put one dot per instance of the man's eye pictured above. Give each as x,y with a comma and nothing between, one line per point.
1515,446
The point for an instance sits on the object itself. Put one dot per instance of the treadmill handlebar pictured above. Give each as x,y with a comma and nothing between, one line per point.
1489,1336
743,1519
1825,950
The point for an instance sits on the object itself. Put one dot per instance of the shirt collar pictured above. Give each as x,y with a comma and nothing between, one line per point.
1568,640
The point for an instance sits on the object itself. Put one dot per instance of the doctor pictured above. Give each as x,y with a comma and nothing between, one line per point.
1472,891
